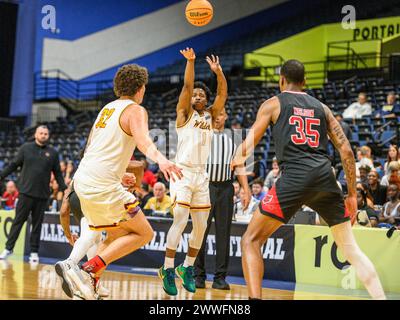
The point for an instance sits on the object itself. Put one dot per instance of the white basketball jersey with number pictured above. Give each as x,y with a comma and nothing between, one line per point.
109,150
194,140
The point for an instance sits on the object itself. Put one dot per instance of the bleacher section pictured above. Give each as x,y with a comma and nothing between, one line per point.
68,135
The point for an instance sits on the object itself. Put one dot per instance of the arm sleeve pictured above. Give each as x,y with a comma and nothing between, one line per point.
15,163
58,174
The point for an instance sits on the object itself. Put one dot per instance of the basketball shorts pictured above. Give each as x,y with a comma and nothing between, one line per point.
192,191
286,197
105,207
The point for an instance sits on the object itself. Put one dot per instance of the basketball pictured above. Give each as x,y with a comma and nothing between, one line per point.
199,12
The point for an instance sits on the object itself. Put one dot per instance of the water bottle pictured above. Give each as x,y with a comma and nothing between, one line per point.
54,206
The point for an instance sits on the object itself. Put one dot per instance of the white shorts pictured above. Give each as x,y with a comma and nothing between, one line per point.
103,207
192,191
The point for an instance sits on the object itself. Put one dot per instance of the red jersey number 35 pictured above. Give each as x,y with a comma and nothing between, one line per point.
306,132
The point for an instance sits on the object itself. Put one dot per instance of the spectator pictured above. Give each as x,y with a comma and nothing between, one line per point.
373,218
393,155
56,195
391,209
245,215
10,196
390,109
364,159
144,194
364,171
392,171
257,189
273,175
37,161
377,191
160,204
364,188
345,126
148,177
63,168
358,109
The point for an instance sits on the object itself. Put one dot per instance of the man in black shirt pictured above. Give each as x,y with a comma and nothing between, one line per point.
377,190
37,161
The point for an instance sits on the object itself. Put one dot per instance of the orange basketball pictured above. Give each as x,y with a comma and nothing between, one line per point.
199,12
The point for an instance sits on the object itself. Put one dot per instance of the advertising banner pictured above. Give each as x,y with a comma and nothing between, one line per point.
6,220
319,262
277,252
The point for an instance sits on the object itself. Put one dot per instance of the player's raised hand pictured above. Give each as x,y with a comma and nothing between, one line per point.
170,170
189,54
214,63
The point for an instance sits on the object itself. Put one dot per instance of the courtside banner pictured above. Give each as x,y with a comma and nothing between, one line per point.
318,261
277,252
6,220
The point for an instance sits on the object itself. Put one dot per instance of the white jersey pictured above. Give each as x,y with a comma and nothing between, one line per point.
194,140
109,150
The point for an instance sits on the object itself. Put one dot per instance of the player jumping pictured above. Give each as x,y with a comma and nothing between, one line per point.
191,194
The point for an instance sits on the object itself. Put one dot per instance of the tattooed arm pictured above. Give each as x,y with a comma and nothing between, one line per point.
342,145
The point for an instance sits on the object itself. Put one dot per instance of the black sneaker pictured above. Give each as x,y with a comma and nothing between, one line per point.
200,283
221,284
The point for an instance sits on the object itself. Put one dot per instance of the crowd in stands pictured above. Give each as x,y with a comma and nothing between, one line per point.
378,177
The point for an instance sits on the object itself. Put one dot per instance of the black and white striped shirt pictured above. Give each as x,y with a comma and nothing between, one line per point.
222,151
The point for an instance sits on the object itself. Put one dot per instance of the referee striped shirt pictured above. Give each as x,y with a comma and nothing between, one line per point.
222,150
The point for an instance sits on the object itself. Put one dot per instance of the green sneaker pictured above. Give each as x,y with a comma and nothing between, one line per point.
168,278
187,276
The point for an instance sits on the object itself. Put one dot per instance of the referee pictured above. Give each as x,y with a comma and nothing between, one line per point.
37,161
221,195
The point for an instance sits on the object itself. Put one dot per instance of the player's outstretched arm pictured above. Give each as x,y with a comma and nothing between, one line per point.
222,86
184,106
264,116
343,146
138,124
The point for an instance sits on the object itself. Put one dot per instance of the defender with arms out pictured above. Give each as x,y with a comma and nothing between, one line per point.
300,127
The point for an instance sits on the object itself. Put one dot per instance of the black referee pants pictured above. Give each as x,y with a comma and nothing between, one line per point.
25,206
221,196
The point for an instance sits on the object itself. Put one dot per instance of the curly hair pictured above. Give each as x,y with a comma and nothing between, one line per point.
201,85
129,79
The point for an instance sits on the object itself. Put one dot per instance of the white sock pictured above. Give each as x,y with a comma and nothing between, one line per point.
169,263
189,261
86,240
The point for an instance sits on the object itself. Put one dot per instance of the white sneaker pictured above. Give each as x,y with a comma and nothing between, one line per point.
61,269
5,254
102,291
34,257
82,281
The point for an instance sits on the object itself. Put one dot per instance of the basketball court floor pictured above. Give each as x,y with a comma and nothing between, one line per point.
22,280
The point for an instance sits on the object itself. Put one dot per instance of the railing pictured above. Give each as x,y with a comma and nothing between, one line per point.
57,85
